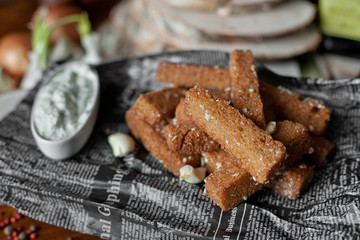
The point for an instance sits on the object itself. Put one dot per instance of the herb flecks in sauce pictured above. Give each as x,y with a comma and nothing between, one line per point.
65,102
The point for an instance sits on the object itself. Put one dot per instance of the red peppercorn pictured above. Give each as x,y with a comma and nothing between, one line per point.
6,221
28,232
33,236
16,238
8,238
12,220
2,224
18,216
14,233
19,229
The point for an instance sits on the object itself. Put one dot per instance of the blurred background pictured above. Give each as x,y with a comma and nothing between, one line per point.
292,37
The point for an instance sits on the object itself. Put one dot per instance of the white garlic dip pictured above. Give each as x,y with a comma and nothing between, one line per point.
64,103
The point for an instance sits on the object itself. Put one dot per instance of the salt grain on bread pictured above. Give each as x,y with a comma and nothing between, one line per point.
155,143
236,134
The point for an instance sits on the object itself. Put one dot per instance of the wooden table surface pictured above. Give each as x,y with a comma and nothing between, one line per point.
44,231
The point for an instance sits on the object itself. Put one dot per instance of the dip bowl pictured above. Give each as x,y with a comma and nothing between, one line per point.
71,144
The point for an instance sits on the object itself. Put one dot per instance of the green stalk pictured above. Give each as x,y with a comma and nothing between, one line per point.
74,18
84,25
41,41
42,33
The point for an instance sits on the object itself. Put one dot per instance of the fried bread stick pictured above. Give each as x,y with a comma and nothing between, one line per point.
295,138
268,113
155,107
229,187
322,150
244,84
182,139
189,139
287,105
155,143
290,184
188,75
293,181
181,116
236,134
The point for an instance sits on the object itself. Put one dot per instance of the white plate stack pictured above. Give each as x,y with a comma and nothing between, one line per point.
272,29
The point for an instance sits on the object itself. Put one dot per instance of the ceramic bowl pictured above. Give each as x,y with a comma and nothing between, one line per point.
67,147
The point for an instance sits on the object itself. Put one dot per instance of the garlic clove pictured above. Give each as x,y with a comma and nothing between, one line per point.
270,127
121,144
192,175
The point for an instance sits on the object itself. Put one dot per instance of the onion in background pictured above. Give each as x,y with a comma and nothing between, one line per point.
7,83
23,58
14,54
